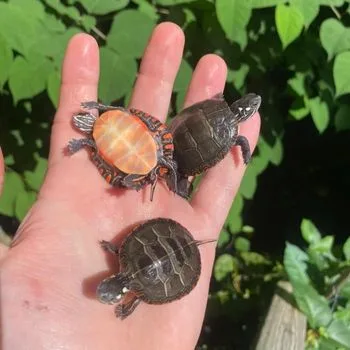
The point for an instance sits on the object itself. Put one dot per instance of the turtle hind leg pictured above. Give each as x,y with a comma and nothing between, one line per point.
75,145
124,310
245,148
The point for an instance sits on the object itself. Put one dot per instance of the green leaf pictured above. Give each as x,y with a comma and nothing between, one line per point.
35,178
173,2
88,22
62,9
53,24
339,332
335,38
130,40
31,29
102,7
180,99
238,76
24,201
297,83
234,220
224,265
233,16
289,23
309,231
13,185
320,113
342,118
331,2
266,3
276,155
53,45
312,304
34,7
260,163
346,249
117,75
309,9
345,292
300,109
183,77
28,77
6,58
147,8
295,264
249,183
323,246
224,238
341,73
242,244
253,258
53,87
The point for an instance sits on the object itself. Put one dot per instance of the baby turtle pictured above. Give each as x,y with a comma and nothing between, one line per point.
129,147
205,132
159,263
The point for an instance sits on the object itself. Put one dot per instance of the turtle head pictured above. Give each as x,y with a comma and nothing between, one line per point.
112,289
245,107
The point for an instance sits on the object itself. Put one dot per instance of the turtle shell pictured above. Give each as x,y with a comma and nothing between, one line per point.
124,141
163,259
203,134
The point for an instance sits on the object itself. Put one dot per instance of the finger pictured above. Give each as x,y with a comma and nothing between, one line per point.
208,79
80,74
158,70
219,186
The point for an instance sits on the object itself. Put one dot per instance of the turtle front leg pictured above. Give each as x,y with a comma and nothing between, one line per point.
101,107
124,310
184,187
75,145
245,148
84,122
172,175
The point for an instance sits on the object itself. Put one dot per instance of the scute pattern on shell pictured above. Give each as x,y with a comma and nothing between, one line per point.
203,137
164,259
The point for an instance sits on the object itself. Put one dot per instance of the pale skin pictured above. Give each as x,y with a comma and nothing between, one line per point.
49,276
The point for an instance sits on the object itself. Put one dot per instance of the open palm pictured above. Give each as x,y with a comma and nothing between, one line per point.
49,275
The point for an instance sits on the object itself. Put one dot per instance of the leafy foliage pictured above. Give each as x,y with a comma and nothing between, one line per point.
294,53
319,279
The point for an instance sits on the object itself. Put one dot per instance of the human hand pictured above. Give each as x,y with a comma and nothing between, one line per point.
49,275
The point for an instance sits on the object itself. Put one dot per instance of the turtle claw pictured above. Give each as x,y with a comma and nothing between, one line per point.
124,310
